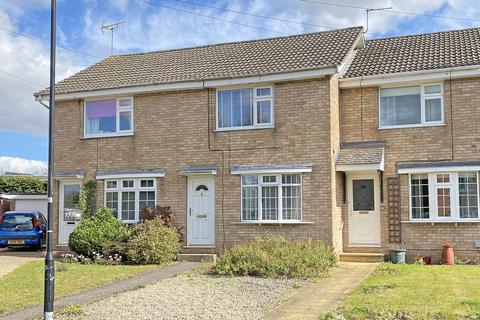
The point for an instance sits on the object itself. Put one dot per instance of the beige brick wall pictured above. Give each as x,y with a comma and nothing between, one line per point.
172,132
458,139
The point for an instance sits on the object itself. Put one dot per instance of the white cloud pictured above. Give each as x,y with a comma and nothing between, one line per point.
19,165
27,59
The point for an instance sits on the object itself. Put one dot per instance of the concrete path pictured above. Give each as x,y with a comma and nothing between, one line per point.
106,291
324,295
10,259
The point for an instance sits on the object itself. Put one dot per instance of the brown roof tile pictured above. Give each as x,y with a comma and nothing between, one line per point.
417,52
220,61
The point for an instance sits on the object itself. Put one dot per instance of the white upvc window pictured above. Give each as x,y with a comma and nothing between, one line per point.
412,106
245,108
271,197
108,117
445,196
127,198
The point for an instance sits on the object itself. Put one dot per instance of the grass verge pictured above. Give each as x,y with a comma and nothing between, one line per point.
416,292
24,286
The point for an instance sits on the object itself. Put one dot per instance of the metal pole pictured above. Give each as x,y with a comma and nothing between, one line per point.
111,44
49,261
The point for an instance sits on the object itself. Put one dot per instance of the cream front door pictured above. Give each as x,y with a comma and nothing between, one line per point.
201,211
69,212
363,208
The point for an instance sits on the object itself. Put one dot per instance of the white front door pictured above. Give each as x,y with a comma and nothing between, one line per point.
69,212
201,211
363,208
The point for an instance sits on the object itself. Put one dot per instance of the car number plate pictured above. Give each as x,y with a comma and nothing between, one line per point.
16,241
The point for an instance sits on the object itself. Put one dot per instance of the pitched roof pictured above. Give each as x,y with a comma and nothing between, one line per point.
228,60
417,52
370,152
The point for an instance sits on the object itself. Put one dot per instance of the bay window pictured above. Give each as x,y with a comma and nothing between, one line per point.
244,108
108,117
127,198
411,106
272,197
444,196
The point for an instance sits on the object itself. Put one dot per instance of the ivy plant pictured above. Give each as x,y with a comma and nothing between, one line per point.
88,200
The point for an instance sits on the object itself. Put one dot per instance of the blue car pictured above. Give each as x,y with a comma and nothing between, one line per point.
23,229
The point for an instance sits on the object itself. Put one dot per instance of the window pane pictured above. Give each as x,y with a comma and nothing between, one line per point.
246,180
443,202
263,92
250,203
101,116
291,179
71,196
147,199
224,109
111,184
433,89
125,120
363,195
269,179
246,103
292,196
111,202
235,108
126,102
264,113
146,183
128,206
419,195
400,106
433,110
127,183
270,203
468,195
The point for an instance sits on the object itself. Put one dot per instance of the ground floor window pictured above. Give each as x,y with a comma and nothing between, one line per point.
272,197
127,198
444,196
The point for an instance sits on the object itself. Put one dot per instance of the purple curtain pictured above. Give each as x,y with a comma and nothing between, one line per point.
101,108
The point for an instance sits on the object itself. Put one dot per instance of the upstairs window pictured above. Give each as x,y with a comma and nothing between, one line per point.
411,106
108,117
245,108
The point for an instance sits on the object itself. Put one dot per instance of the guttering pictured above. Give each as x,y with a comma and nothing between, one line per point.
411,76
430,167
24,196
191,85
270,169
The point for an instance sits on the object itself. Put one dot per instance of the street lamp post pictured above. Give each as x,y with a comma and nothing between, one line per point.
49,265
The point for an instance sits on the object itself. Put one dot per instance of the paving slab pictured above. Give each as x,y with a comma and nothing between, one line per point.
105,291
323,295
10,259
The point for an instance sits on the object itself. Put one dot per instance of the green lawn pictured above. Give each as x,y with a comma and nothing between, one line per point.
24,286
417,292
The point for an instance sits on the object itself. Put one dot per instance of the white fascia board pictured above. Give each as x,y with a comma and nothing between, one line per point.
438,169
297,75
204,173
24,196
413,77
129,176
360,167
268,171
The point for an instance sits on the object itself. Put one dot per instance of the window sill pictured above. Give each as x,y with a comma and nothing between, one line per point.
97,136
433,222
244,128
273,222
413,126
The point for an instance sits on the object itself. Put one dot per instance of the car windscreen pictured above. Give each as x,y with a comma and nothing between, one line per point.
20,222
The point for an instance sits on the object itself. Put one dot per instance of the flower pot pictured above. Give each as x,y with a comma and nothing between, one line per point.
447,255
397,256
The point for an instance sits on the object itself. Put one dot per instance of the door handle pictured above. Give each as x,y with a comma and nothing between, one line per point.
190,211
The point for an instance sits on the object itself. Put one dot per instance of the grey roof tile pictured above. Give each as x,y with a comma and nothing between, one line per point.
416,53
228,60
369,152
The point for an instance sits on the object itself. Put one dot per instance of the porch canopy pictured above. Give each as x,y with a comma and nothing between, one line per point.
361,156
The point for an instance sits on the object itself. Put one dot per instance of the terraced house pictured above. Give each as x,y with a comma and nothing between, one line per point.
362,144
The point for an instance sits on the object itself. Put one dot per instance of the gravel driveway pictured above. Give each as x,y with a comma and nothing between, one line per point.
194,296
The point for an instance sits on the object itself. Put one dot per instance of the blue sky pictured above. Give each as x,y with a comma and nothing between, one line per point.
148,27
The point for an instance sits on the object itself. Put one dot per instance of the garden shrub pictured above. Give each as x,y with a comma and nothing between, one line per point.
153,243
274,256
21,184
92,233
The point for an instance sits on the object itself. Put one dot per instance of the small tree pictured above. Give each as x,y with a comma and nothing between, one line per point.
87,201
21,184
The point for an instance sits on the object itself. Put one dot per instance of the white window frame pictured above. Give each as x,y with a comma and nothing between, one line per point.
423,97
279,185
118,109
136,188
255,99
433,185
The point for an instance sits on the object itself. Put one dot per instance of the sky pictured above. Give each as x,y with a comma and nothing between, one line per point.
166,24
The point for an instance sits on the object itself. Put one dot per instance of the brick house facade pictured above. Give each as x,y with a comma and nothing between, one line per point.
314,159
